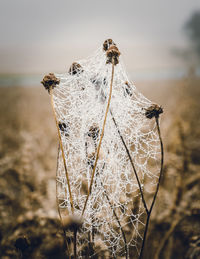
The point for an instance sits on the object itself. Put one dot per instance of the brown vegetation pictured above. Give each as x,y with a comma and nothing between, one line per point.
30,225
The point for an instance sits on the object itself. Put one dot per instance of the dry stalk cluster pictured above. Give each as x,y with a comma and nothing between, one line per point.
110,157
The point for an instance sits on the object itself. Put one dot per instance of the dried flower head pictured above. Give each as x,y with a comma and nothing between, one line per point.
50,81
107,44
128,90
72,222
64,127
94,132
75,68
113,55
153,111
91,159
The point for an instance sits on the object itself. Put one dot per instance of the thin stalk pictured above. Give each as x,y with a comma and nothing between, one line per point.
161,165
148,211
100,141
64,233
132,164
62,151
110,204
75,243
144,236
118,221
59,213
116,217
157,188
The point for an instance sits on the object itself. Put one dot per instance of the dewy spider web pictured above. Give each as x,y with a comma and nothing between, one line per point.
114,217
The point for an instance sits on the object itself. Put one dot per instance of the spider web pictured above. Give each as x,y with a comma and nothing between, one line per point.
114,217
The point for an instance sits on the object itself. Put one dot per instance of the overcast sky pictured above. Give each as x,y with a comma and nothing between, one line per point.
46,35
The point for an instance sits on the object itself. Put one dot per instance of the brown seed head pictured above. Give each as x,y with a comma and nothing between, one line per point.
75,68
72,222
107,44
128,89
91,159
50,81
94,132
64,128
113,55
153,111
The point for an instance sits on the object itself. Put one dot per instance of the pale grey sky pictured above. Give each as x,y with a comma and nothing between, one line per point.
47,35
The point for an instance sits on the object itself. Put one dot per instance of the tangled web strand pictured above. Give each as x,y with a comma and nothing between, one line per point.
114,216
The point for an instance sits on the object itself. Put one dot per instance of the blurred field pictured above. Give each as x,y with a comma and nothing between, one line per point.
28,150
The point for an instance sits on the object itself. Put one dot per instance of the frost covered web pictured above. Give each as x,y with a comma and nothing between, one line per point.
114,215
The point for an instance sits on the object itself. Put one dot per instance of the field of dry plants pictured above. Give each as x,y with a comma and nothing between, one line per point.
30,226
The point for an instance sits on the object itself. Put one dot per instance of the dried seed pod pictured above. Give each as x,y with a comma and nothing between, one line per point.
113,55
91,159
128,90
94,132
50,81
153,111
64,127
75,68
107,44
91,144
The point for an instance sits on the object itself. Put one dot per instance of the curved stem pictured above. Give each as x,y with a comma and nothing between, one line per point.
118,221
109,202
114,212
161,165
59,213
132,164
157,188
75,245
62,151
100,141
144,236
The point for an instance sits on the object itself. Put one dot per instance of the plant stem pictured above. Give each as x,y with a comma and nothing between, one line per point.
144,236
115,214
157,188
161,164
132,164
100,141
75,250
62,150
148,211
118,221
59,213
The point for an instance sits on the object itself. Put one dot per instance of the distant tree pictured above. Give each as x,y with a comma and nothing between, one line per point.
192,28
190,54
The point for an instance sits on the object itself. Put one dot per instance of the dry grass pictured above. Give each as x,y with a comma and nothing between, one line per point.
28,149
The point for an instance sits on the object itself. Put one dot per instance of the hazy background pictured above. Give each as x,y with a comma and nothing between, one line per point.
47,36
160,45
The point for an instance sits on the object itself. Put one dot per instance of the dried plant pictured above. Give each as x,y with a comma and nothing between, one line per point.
110,157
